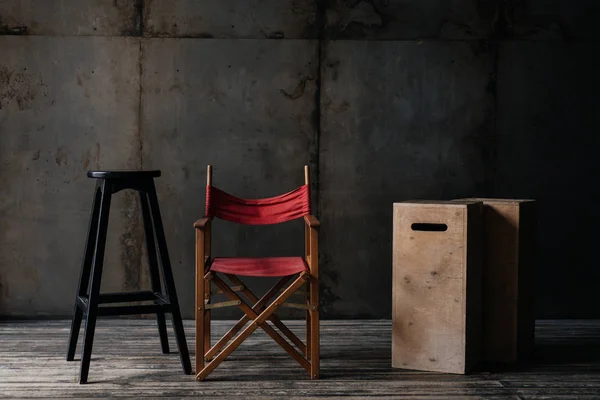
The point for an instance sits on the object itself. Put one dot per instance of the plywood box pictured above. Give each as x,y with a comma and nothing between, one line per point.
436,311
508,258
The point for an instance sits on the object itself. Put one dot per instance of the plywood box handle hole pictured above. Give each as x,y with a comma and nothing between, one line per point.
428,227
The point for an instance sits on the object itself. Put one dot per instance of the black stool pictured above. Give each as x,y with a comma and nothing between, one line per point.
87,302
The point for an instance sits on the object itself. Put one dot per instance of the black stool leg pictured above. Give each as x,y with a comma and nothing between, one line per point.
84,277
94,297
169,281
154,274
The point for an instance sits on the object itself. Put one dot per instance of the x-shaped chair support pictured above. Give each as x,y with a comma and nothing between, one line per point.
258,320
273,318
258,306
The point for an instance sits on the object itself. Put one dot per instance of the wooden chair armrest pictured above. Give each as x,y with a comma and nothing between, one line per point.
312,221
201,223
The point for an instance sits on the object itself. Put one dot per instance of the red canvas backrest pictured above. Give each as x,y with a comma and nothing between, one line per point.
272,210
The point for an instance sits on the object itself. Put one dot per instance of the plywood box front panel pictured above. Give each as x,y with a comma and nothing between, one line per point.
435,286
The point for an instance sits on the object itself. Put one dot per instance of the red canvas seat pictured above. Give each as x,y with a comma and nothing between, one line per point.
223,272
268,266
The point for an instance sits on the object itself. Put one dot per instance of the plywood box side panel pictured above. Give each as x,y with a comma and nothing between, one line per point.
508,243
500,277
526,293
473,312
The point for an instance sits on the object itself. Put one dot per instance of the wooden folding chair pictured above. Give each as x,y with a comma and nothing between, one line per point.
297,270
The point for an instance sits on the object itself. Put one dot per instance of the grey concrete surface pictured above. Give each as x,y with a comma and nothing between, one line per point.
248,112
67,105
560,20
546,147
68,17
392,132
387,100
410,19
249,19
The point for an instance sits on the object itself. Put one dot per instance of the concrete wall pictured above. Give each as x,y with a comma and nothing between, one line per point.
387,100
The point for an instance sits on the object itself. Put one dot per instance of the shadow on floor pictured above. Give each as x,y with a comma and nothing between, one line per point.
585,350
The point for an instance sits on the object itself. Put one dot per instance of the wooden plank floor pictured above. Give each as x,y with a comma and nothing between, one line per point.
127,362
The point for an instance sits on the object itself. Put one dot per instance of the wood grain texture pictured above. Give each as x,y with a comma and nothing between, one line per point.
437,286
508,258
355,363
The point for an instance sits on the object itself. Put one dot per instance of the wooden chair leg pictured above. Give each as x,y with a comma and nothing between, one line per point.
314,329
314,303
200,305
207,317
308,330
200,332
207,294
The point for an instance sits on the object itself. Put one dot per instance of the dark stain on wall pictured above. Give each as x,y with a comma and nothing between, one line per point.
200,35
132,16
19,86
60,157
10,28
164,31
298,90
521,21
355,18
409,20
13,30
170,28
310,16
251,20
274,35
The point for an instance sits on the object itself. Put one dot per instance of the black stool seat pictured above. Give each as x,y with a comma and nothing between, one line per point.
163,296
123,174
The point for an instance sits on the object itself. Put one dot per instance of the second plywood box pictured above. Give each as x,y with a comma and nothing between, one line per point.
436,311
508,259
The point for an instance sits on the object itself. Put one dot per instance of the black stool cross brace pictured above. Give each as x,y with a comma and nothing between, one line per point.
88,296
